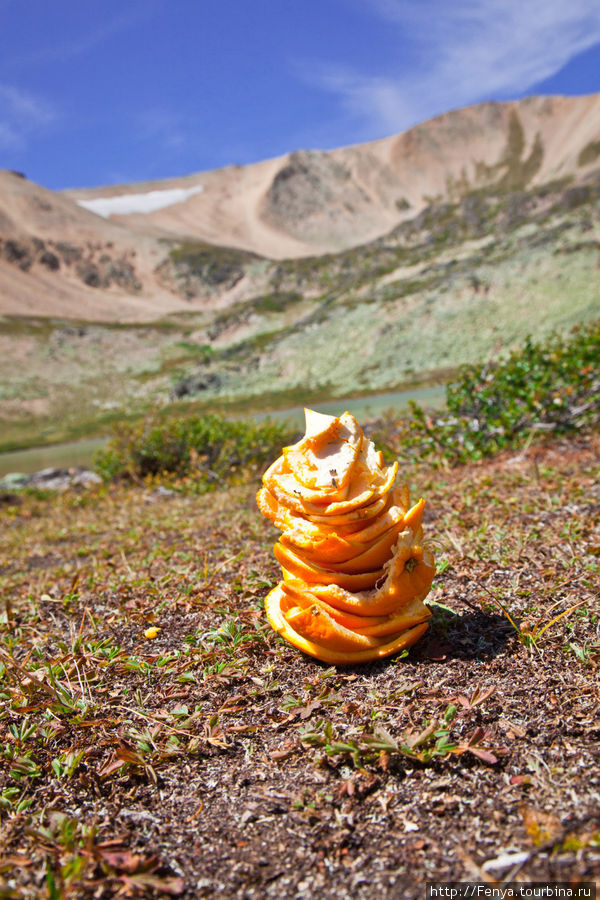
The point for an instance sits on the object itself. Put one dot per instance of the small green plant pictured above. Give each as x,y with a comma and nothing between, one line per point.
550,386
230,636
528,632
23,731
583,653
431,742
22,765
66,764
209,449
12,799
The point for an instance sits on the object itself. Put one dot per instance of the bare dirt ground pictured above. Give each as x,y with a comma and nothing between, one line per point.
158,739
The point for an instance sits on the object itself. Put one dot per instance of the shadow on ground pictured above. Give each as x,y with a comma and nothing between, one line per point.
476,635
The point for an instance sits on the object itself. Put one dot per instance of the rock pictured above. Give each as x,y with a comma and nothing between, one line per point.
50,260
89,274
19,253
69,252
193,384
123,274
85,478
47,474
51,479
13,481
195,269
162,491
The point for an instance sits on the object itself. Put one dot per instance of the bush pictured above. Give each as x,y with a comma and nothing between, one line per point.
209,449
549,386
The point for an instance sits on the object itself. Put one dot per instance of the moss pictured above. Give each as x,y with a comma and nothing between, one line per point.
276,302
198,254
23,326
533,163
458,187
589,154
511,172
519,171
577,247
252,345
265,305
202,352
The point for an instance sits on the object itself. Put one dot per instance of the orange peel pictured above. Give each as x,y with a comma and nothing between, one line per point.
328,654
355,566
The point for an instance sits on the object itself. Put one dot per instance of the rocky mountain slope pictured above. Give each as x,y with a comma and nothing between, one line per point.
59,258
311,202
458,282
489,229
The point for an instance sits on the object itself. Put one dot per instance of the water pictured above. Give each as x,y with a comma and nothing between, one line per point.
60,456
363,408
81,453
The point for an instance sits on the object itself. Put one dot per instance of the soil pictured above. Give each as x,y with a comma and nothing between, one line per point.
160,740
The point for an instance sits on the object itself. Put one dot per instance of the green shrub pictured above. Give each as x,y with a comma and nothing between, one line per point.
551,386
208,449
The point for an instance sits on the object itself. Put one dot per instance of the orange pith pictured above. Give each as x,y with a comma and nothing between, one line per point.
355,567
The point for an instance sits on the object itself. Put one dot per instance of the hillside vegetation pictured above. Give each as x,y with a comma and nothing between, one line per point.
459,282
550,387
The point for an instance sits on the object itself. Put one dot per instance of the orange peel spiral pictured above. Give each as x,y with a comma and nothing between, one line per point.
356,568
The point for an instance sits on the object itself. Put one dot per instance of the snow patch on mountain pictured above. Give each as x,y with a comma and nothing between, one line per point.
127,204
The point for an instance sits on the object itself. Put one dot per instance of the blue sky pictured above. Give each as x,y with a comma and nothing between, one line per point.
109,91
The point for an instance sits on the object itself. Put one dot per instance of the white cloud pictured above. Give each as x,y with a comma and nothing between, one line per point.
21,114
465,51
126,204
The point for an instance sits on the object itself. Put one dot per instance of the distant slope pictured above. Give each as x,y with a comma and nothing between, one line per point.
209,241
312,202
458,282
59,259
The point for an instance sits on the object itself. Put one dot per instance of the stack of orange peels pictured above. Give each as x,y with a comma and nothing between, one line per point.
355,567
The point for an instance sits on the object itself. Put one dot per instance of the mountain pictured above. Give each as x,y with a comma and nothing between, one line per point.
311,275
57,257
312,202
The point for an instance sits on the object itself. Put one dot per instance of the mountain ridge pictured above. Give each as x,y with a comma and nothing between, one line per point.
390,179
60,259
487,230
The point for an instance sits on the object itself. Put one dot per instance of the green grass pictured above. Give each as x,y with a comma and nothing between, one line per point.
589,154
